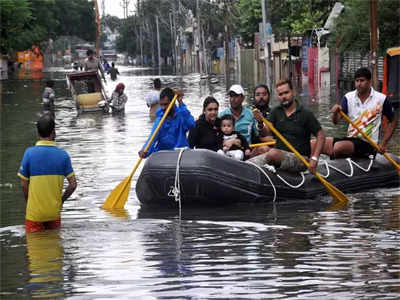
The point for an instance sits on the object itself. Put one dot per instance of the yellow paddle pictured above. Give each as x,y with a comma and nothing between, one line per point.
335,192
118,196
346,117
262,144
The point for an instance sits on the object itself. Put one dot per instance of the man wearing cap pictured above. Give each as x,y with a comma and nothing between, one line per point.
245,123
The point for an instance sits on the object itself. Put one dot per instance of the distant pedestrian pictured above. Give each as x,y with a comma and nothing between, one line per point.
42,172
153,98
118,98
113,71
48,97
92,63
106,66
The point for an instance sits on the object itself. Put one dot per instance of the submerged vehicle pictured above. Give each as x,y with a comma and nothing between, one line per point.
88,91
391,75
206,178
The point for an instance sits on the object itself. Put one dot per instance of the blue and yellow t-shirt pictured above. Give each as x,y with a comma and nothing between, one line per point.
45,166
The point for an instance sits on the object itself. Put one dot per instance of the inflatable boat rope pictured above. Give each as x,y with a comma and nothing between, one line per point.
266,175
351,163
175,190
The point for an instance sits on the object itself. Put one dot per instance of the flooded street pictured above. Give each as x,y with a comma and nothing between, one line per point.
284,250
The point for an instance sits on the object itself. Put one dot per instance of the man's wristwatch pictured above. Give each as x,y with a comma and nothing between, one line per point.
314,158
260,127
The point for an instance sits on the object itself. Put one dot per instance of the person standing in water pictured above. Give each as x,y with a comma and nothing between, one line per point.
113,71
42,172
153,98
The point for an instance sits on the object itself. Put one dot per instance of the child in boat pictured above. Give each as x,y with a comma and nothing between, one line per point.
228,133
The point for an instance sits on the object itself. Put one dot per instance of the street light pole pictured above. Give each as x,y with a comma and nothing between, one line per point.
158,46
266,54
373,41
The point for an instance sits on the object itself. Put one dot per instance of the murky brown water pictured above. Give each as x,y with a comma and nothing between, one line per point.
284,251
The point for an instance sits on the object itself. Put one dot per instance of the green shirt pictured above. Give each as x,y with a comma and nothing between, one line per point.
297,128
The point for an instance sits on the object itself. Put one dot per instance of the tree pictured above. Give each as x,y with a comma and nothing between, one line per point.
14,15
28,22
351,34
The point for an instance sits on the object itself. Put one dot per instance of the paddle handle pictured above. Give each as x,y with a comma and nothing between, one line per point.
346,117
335,192
285,141
262,144
160,124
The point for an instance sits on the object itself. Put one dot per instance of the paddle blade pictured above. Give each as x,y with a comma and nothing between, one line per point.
336,194
119,195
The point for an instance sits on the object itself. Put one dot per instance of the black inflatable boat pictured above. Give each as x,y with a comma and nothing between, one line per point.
202,177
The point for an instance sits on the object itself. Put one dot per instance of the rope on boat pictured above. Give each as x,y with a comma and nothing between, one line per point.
351,163
175,190
327,165
303,179
266,175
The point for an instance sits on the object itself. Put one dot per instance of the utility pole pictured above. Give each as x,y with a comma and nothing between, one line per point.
226,27
98,28
172,40
140,32
199,58
158,46
265,39
373,41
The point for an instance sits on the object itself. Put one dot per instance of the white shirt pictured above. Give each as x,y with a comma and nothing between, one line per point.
368,115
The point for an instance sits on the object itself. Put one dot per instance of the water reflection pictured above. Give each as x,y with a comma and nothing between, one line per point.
45,256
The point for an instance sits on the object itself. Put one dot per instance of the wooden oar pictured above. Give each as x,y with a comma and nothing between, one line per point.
120,193
262,144
335,192
346,117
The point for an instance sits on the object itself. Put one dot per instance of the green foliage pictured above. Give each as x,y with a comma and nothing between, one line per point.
352,30
28,22
14,15
112,22
249,18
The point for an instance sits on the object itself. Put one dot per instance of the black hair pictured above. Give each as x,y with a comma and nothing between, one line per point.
167,92
363,72
157,83
89,52
45,125
50,83
208,101
228,117
262,86
112,64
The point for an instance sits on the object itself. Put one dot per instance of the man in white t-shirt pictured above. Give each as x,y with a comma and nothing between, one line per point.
153,98
371,111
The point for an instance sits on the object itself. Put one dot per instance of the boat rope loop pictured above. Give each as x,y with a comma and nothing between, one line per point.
351,163
266,175
303,179
175,190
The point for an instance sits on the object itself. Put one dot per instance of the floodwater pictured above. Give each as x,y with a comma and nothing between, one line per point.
286,250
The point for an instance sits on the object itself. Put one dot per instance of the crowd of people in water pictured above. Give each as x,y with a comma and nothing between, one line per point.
230,132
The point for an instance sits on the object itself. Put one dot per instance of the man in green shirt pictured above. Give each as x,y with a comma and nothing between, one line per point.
296,124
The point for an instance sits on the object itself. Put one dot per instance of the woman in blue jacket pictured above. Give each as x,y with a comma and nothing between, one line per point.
172,133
